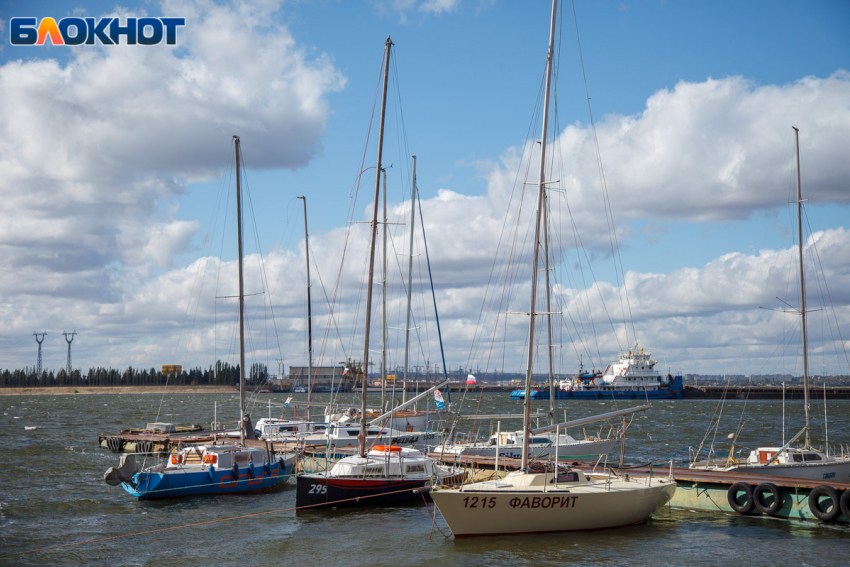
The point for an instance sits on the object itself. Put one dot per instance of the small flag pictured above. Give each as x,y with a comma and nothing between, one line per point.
345,372
286,403
471,380
438,400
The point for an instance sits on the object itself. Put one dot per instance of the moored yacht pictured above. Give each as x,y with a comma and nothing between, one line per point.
385,475
542,499
204,469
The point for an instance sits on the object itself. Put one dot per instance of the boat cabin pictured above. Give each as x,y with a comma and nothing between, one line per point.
220,456
386,461
792,455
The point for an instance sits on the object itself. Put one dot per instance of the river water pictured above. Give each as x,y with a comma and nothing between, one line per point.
52,494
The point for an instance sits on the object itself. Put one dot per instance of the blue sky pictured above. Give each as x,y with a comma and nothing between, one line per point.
673,86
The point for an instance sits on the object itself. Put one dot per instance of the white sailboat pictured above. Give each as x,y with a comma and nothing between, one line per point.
541,497
387,473
804,462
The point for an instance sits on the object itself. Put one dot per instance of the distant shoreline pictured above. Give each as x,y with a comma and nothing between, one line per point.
97,390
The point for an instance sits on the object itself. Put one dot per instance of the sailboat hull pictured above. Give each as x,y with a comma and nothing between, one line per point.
150,485
834,471
496,512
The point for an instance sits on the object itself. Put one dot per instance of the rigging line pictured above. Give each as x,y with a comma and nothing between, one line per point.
562,245
492,275
405,163
818,263
615,248
433,294
263,274
328,302
356,191
207,245
168,375
536,116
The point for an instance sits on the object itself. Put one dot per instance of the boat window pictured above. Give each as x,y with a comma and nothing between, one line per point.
241,457
374,471
811,457
798,458
353,433
571,476
415,468
540,440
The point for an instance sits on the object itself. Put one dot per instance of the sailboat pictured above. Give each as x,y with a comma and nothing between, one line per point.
803,462
226,468
545,497
387,473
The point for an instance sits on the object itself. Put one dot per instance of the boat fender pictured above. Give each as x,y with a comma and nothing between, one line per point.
824,513
758,498
282,464
741,505
251,469
844,504
212,472
235,472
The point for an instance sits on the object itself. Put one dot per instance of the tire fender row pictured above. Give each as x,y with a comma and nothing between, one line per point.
825,503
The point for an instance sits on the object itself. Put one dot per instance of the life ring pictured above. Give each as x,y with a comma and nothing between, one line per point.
177,459
844,503
742,507
758,498
830,513
387,448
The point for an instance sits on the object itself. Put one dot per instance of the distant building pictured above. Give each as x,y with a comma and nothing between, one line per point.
172,368
323,378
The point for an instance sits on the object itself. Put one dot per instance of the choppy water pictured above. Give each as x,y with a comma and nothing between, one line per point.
52,493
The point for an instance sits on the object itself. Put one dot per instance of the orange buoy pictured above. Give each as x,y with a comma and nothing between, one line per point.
387,448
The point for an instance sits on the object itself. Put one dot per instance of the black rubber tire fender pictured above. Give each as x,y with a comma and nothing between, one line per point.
844,503
815,507
732,496
769,488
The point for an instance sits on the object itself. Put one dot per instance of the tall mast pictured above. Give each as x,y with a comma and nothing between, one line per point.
241,299
409,282
388,45
802,284
309,312
526,421
384,302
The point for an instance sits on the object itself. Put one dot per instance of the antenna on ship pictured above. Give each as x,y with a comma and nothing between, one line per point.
69,341
39,341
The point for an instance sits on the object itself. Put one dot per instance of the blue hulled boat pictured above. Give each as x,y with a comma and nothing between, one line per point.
214,468
204,469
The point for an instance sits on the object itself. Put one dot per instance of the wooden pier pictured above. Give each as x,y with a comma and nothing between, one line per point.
764,392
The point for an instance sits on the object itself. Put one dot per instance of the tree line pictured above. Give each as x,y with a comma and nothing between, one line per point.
218,374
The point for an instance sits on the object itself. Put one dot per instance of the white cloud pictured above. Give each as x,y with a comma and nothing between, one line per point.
92,149
715,150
